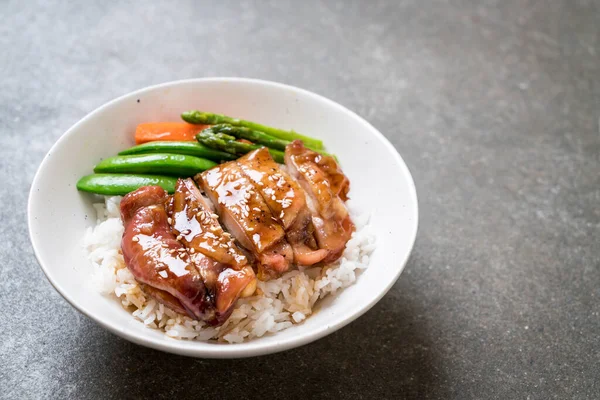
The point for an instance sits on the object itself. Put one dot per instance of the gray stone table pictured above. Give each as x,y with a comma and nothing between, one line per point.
493,104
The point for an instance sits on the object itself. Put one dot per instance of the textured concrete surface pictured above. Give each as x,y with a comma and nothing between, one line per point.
493,104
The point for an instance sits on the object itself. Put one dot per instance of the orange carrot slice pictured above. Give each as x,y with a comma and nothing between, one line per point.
178,131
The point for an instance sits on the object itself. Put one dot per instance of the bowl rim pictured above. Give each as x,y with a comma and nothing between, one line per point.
234,350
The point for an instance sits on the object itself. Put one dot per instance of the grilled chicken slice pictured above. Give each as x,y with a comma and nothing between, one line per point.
325,186
199,228
246,215
155,257
222,265
283,196
286,201
338,182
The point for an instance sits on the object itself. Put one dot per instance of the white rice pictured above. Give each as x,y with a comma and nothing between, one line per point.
284,302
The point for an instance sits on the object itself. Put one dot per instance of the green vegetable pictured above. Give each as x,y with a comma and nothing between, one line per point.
228,143
158,163
251,135
121,184
199,117
186,148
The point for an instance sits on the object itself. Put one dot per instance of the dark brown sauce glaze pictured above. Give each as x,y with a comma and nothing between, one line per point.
247,217
198,227
223,267
287,202
281,193
154,256
170,270
330,218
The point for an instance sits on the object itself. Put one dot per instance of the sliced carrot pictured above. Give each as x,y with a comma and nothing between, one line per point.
178,131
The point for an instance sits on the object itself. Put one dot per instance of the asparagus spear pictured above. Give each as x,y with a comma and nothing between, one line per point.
227,143
251,135
199,117
257,137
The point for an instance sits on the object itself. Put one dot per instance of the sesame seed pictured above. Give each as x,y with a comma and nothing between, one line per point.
135,239
169,220
179,237
192,250
214,215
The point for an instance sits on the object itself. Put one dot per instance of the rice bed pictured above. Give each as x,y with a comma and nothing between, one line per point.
278,304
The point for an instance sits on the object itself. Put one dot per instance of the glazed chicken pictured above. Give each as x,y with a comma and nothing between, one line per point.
326,186
223,267
286,201
194,221
247,217
167,254
155,257
275,217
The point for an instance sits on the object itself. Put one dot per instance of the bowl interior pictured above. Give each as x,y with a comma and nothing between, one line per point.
380,184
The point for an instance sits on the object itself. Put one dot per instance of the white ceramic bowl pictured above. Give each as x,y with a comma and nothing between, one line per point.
380,183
